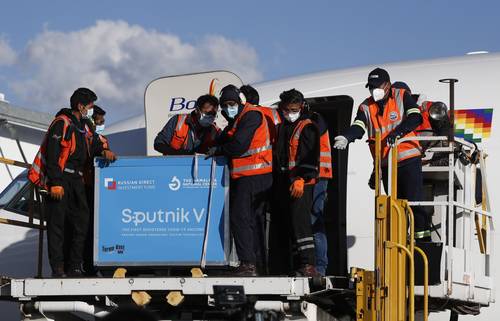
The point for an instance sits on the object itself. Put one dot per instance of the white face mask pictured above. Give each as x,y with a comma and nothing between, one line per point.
206,120
99,129
89,113
377,94
231,110
292,117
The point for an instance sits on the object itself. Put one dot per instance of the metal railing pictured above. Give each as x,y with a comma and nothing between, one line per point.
459,200
394,246
35,198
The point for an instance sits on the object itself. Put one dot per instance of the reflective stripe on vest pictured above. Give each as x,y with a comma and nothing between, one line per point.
180,138
258,158
272,119
384,124
180,122
325,156
276,116
250,167
424,128
294,146
256,150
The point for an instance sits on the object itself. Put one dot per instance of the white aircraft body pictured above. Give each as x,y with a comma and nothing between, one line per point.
478,87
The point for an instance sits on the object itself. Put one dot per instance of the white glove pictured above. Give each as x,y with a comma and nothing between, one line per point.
340,142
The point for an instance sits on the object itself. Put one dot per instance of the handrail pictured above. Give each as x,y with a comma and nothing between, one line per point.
14,162
411,292
6,221
34,192
426,282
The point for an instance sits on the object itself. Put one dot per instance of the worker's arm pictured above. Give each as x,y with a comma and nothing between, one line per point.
358,127
54,137
164,137
320,122
412,117
307,154
241,139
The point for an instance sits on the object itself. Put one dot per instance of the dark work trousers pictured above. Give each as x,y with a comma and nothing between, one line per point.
248,197
71,210
291,228
410,187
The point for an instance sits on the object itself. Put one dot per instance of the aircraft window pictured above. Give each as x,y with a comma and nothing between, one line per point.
12,189
21,203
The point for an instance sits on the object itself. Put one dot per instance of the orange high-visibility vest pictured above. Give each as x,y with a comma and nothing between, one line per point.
386,123
37,173
425,127
182,132
293,148
325,156
273,120
258,159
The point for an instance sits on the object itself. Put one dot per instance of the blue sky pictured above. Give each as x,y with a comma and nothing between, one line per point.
48,47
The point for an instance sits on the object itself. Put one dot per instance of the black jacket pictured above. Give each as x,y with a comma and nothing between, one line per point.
239,143
195,139
82,153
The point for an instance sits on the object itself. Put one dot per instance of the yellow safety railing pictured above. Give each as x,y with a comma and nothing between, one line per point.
394,288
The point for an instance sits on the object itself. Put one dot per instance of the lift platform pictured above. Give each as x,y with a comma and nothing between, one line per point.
88,298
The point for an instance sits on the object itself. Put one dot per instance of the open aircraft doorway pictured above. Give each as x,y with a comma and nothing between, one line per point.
337,111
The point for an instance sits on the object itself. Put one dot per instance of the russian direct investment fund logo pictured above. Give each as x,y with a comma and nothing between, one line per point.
110,183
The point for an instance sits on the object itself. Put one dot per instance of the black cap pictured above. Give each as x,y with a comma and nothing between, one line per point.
377,77
230,92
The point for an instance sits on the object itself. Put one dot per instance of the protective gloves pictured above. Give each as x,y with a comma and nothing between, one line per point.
392,137
56,192
211,152
109,155
297,188
341,142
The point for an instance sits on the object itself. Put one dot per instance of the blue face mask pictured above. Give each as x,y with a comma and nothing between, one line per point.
99,129
231,110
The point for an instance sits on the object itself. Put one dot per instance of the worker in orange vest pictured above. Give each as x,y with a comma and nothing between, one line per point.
246,144
435,122
58,168
394,113
296,168
272,115
186,134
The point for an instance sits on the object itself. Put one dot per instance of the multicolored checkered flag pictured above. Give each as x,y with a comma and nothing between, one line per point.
473,124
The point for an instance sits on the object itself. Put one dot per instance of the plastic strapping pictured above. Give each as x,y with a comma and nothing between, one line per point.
209,208
194,169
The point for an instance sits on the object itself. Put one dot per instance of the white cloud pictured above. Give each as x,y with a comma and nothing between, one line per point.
118,60
7,54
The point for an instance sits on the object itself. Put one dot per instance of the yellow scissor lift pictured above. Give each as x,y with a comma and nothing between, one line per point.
387,293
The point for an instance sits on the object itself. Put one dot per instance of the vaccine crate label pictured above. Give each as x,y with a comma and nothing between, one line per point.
153,210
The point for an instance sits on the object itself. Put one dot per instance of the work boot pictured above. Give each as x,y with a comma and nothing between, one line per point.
58,271
308,271
245,269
